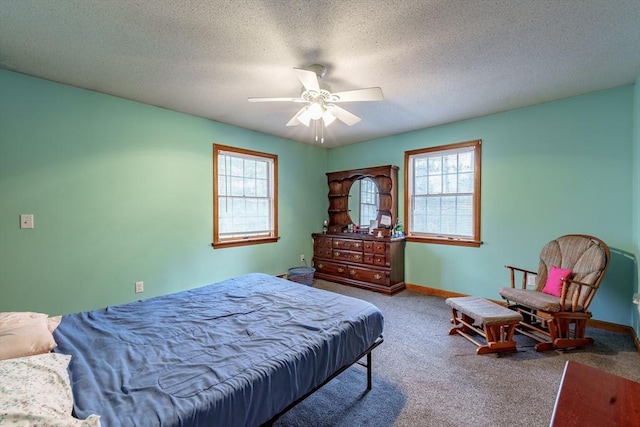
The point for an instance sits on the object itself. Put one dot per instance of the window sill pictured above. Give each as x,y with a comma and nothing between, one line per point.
243,242
444,241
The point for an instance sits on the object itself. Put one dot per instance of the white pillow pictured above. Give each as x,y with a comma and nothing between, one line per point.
24,334
35,390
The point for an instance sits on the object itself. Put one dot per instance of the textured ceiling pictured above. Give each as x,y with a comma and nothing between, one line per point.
436,61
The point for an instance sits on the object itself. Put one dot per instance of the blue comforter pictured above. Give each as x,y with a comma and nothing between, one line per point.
234,353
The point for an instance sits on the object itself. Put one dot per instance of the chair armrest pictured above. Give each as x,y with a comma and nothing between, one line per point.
576,293
524,272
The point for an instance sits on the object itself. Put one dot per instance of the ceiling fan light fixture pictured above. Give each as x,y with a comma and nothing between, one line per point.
305,117
315,110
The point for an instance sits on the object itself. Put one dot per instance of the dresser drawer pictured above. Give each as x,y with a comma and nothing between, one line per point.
380,260
374,247
367,258
324,252
379,247
347,256
372,276
331,268
368,246
323,242
347,244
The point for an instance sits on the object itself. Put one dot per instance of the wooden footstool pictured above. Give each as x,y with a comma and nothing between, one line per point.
492,321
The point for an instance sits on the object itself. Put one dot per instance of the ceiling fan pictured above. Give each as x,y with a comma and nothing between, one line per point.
320,102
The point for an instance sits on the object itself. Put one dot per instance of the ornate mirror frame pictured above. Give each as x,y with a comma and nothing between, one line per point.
385,178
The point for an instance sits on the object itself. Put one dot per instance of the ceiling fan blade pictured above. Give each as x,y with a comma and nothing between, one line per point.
295,119
275,99
328,118
343,115
368,94
309,79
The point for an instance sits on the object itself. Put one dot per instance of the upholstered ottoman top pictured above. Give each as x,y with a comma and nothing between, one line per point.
484,311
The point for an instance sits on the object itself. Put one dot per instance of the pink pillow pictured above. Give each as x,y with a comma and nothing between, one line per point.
24,334
53,323
554,280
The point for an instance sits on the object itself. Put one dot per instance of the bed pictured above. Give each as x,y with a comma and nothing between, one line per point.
235,353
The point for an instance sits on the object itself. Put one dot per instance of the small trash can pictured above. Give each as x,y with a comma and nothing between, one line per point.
302,275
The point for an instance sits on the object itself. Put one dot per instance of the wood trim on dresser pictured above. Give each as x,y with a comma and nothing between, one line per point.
385,179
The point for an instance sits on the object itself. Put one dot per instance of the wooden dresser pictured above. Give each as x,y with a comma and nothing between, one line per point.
362,260
589,396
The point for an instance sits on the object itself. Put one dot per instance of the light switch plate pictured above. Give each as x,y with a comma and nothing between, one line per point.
26,221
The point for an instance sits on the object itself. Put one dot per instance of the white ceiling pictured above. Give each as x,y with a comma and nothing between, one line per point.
436,61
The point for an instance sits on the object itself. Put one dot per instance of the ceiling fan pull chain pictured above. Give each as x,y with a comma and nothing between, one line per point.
315,125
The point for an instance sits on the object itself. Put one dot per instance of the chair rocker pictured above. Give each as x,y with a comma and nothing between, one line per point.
555,313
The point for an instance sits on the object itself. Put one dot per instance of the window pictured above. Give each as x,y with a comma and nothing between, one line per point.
442,194
245,197
368,201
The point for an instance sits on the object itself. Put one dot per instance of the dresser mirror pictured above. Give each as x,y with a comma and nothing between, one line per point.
363,202
358,196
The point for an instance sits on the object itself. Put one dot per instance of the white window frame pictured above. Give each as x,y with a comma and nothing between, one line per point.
418,233
225,201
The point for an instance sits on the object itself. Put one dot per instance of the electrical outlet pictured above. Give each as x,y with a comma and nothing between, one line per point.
302,258
139,287
531,280
26,221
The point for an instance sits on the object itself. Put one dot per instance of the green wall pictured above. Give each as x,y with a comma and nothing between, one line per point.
547,170
122,192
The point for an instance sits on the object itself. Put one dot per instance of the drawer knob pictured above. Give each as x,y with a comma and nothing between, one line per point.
320,266
377,276
340,270
336,253
352,272
356,257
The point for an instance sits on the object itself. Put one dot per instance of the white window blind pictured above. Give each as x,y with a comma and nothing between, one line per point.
442,192
245,195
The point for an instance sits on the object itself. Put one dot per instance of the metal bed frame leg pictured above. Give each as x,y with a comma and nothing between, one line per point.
368,365
369,371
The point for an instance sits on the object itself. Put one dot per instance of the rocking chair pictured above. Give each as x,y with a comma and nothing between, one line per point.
555,313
